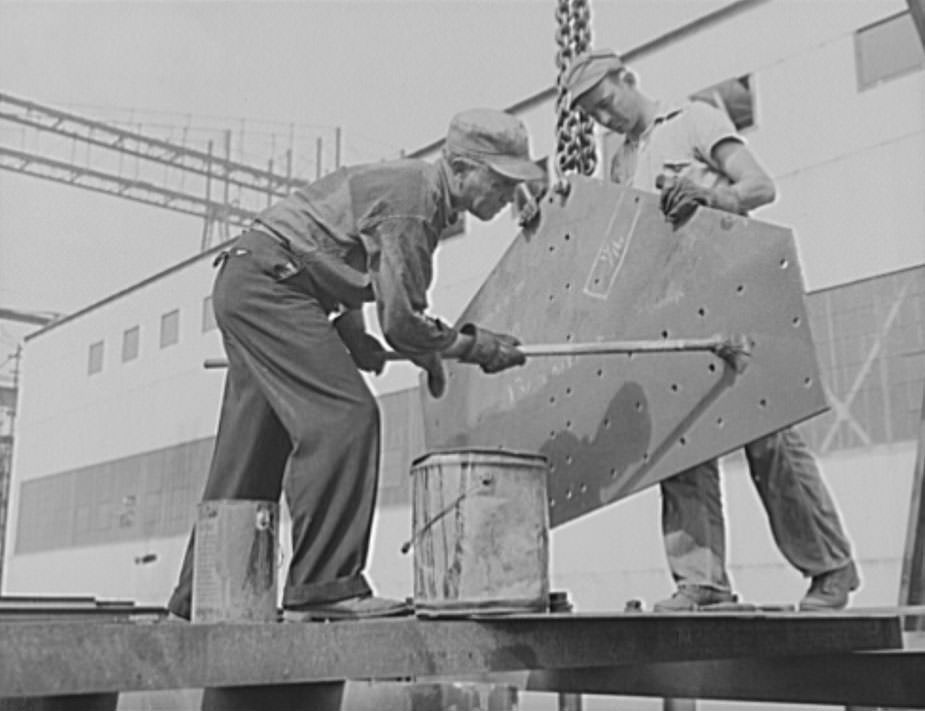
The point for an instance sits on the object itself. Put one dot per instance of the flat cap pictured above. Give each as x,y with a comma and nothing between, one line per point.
496,138
587,69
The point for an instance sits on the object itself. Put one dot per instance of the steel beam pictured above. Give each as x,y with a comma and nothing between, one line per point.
878,679
56,658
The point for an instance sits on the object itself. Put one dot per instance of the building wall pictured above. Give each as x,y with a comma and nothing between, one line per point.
108,466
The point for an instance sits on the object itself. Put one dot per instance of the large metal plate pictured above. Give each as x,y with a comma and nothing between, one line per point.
604,265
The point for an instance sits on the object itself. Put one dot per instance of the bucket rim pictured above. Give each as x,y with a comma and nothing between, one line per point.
481,451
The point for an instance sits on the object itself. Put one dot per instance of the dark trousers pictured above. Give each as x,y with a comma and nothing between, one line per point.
294,403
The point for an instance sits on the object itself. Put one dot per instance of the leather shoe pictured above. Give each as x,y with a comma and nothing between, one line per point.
690,598
831,590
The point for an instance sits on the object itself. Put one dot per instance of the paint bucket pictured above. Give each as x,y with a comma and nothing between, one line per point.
480,533
234,564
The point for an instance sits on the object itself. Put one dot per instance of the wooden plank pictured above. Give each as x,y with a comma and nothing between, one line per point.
44,659
605,265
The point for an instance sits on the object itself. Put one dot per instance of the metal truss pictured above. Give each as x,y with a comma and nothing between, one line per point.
104,148
130,189
103,135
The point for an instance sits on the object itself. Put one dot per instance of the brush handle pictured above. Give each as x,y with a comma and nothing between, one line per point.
715,344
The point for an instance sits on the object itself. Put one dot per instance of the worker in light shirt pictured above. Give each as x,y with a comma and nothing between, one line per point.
692,155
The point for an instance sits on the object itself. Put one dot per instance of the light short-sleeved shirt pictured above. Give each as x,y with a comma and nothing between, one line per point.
368,232
680,141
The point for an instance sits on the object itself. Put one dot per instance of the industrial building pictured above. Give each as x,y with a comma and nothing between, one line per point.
116,413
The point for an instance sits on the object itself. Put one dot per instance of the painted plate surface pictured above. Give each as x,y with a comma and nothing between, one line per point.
604,265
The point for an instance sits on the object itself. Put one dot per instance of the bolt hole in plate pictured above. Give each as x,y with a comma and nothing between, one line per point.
632,278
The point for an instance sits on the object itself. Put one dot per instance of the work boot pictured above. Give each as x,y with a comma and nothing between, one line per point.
361,607
689,598
830,590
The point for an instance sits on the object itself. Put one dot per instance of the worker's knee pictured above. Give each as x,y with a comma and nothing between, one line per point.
764,448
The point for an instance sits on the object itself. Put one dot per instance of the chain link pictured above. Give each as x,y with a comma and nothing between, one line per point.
575,149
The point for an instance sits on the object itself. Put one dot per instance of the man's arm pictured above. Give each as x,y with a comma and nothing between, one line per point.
750,187
400,267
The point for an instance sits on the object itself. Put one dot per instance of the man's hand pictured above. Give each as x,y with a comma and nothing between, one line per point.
682,196
432,364
493,352
367,352
527,205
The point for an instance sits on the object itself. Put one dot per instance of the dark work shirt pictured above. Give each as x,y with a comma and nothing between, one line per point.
368,232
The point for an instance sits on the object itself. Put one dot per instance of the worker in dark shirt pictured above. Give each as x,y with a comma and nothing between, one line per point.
288,299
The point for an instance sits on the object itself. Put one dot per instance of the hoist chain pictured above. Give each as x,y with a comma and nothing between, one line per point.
575,150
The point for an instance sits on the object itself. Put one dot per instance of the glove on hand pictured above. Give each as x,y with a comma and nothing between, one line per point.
493,352
432,363
367,352
527,204
682,196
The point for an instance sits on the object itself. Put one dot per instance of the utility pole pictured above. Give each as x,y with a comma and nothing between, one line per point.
318,148
8,398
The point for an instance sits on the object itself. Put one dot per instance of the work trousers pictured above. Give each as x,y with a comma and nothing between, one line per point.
803,517
294,403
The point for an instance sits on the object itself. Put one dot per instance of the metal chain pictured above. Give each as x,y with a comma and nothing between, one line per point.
575,149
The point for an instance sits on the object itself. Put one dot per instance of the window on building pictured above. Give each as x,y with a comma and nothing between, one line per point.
170,328
130,340
95,358
887,49
735,97
208,315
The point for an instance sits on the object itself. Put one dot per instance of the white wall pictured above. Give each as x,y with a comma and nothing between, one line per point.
162,398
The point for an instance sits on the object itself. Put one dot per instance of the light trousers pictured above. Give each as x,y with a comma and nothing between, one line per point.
804,519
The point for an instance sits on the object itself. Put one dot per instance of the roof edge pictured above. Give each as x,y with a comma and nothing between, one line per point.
631,55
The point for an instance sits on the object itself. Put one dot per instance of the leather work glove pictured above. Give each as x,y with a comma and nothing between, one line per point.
527,206
527,198
432,364
682,196
367,352
493,352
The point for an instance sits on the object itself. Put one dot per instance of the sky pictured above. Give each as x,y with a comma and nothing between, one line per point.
388,73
